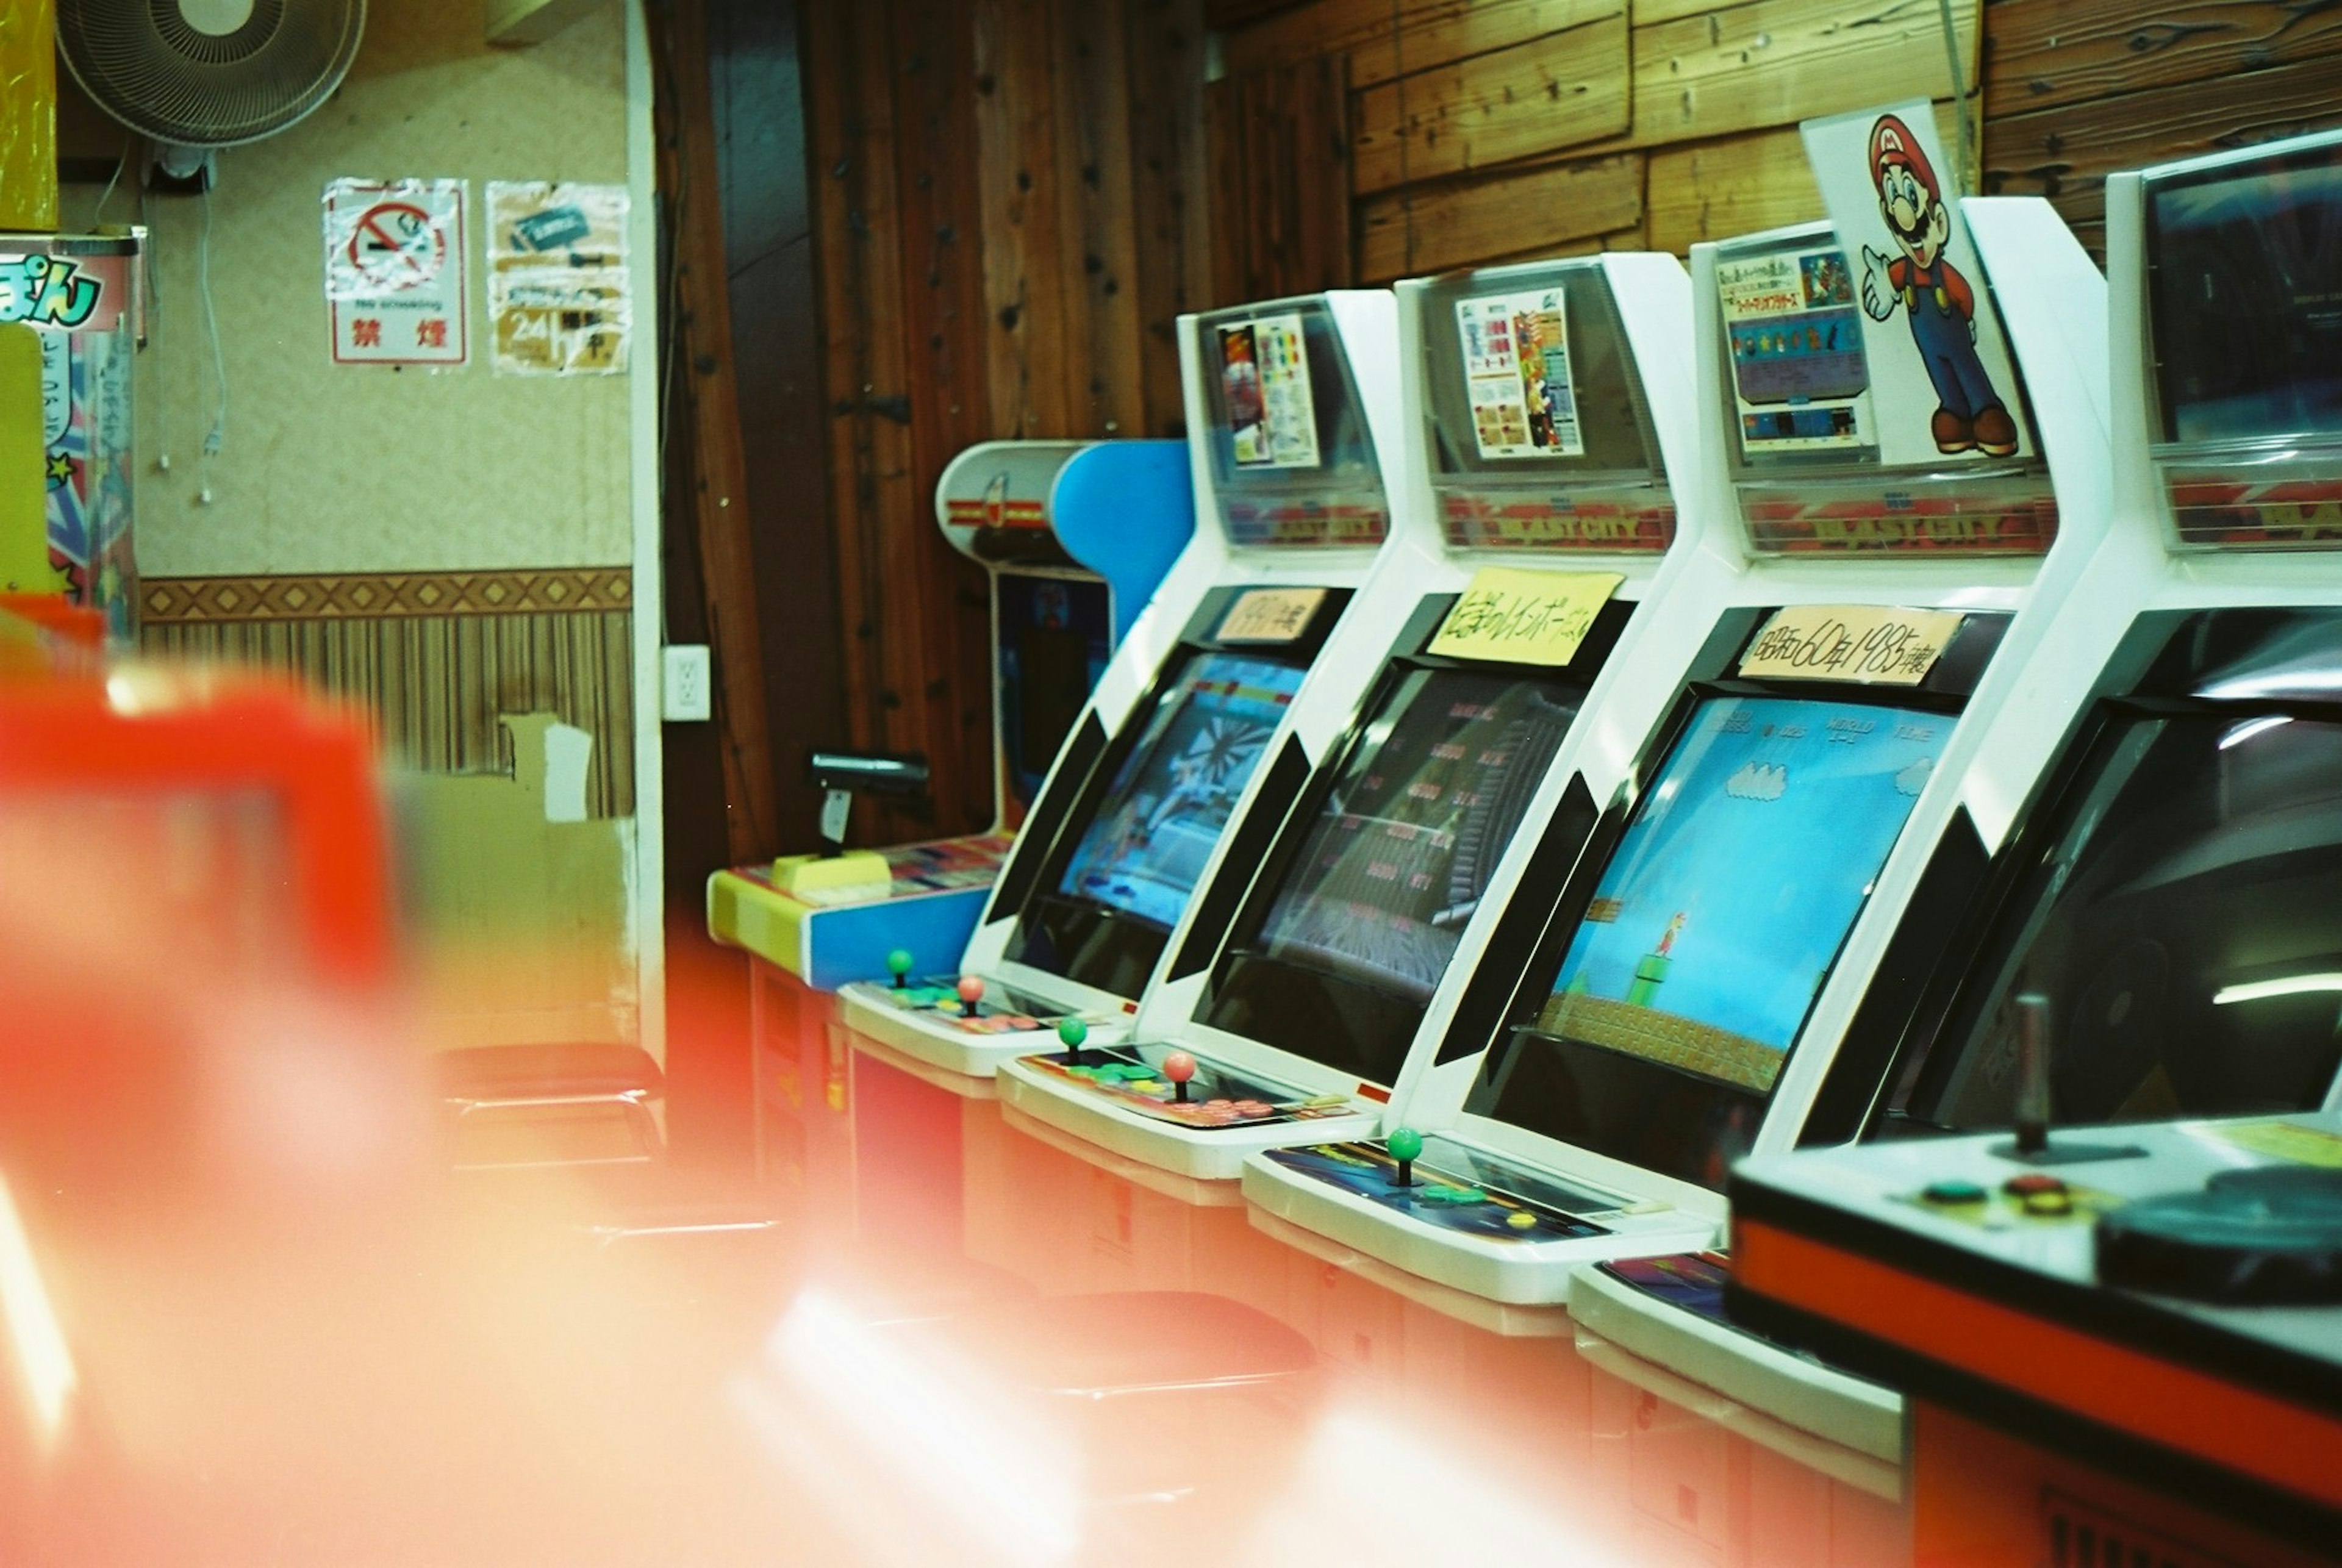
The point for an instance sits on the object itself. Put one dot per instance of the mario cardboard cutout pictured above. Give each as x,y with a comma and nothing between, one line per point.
1935,298
1953,392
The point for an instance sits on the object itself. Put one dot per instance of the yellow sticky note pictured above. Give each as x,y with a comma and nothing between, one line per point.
1270,614
1520,616
23,452
1872,644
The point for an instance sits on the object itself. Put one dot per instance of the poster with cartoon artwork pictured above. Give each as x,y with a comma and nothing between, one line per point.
1517,368
1800,379
1941,379
1265,387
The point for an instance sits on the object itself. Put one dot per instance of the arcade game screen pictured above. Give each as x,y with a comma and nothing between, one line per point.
1143,852
2185,928
2246,290
1419,814
1736,881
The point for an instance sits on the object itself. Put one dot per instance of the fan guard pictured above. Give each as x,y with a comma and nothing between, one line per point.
209,72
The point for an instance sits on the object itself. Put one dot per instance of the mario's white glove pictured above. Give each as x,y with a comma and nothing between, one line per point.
1877,298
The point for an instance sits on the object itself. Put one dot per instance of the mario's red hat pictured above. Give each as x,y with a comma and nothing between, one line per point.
1892,143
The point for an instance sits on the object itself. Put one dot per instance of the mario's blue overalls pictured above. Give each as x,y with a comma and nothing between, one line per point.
1937,300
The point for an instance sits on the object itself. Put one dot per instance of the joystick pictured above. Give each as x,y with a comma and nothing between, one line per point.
898,964
1179,1067
1405,1146
1071,1033
971,992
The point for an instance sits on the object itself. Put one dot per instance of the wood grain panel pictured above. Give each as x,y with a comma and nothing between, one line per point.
1016,138
2041,54
1739,185
1386,41
1551,93
1777,62
1280,184
436,686
1098,256
2066,152
1170,191
1421,229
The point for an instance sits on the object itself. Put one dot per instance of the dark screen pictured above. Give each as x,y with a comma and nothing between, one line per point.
2247,298
2185,928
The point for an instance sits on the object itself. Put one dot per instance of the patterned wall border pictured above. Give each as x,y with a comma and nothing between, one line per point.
384,596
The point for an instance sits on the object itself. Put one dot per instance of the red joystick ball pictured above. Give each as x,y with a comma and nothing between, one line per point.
1179,1067
971,992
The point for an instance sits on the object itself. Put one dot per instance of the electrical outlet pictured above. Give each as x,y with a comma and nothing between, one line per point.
686,682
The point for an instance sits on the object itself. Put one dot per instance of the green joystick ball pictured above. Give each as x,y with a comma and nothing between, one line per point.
898,964
1405,1146
1071,1033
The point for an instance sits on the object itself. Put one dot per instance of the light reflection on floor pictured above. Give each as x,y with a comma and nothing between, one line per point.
919,1335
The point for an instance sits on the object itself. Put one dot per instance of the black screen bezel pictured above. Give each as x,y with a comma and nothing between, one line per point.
1659,1117
1302,1009
1116,951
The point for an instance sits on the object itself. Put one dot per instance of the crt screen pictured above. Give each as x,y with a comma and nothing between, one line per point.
1418,817
1736,881
2247,299
2187,932
1143,850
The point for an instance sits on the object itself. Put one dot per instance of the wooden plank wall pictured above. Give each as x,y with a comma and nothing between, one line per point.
1017,197
1010,214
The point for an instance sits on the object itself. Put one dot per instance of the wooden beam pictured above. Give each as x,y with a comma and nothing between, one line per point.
1551,93
1280,212
710,400
1424,229
2041,54
1016,163
1385,42
1097,264
1170,191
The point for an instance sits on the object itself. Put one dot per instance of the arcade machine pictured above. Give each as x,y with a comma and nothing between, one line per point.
1292,399
2157,935
2123,1344
1074,537
1545,406
1655,994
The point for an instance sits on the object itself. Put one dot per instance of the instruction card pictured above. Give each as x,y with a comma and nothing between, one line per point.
1871,643
1799,380
1265,383
1516,370
395,271
559,292
1519,615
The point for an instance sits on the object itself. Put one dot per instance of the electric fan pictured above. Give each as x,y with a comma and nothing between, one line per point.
193,75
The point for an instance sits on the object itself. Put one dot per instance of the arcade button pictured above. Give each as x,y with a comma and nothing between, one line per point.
2033,1184
1521,1219
971,992
1951,1193
1405,1146
2046,1204
898,964
1449,1196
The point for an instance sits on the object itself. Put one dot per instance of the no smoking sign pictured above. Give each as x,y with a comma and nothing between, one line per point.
394,272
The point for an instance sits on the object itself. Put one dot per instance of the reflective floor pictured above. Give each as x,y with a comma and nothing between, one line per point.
916,1333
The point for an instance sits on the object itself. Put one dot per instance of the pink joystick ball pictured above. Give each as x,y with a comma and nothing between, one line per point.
1178,1066
971,988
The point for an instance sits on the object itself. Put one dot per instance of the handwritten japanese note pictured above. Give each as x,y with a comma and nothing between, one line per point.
1524,617
1270,614
1874,644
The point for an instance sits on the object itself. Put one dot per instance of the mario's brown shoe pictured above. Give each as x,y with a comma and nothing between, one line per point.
1996,432
1951,432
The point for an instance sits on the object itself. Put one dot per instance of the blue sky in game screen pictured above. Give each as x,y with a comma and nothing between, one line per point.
1176,791
1746,862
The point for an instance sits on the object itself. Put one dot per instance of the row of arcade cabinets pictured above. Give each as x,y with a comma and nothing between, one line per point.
1911,674
2096,1226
